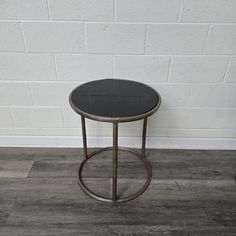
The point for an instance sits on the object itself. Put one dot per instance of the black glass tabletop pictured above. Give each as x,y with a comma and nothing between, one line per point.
114,98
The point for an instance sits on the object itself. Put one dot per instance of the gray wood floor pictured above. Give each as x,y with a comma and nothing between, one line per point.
192,193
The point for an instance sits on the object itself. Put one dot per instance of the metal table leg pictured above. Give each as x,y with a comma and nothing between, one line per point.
115,161
115,149
144,136
84,137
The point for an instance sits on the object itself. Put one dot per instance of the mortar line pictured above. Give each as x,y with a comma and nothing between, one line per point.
179,11
206,41
23,37
49,12
227,69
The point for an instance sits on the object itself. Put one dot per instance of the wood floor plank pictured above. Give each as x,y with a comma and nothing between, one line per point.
144,230
33,153
221,212
11,188
9,230
210,189
15,169
190,165
56,230
56,169
193,192
54,202
71,211
5,208
181,155
101,169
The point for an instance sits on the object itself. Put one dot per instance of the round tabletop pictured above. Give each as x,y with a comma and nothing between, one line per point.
114,100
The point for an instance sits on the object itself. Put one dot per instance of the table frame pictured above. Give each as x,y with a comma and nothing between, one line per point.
141,155
115,149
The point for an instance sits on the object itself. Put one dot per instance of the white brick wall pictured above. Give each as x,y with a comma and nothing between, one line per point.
231,74
176,38
24,10
185,49
198,69
83,67
37,117
221,39
138,67
101,10
54,37
115,38
208,11
11,39
149,10
27,67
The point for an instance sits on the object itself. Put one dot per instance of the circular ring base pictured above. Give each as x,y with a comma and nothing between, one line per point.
125,199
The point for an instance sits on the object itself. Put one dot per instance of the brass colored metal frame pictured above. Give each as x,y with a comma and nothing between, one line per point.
115,148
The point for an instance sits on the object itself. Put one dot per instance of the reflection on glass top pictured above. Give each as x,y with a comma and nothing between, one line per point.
114,98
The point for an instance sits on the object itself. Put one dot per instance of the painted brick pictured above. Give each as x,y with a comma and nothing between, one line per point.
99,132
27,67
184,118
229,93
37,117
20,131
83,67
198,69
92,124
61,131
176,38
5,117
71,118
51,94
231,75
131,129
116,38
224,119
221,40
213,95
149,10
148,69
192,133
11,39
16,94
208,11
173,95
92,132
23,9
101,10
54,37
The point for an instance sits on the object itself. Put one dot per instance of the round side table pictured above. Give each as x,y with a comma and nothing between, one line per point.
115,101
